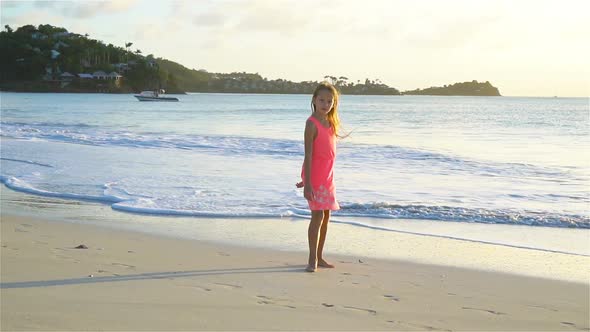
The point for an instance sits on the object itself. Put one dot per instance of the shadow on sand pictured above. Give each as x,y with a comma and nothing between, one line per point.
148,276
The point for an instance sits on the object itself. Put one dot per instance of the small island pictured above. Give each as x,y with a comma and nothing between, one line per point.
473,88
52,59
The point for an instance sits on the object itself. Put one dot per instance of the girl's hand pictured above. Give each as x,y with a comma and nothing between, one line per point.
299,184
308,193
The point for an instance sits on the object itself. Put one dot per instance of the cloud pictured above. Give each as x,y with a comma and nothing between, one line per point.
283,17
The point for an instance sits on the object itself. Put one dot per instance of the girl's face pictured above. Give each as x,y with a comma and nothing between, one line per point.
323,102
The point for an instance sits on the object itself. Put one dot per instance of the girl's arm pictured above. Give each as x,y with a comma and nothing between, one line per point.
310,135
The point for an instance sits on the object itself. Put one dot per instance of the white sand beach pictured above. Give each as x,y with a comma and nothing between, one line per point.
134,281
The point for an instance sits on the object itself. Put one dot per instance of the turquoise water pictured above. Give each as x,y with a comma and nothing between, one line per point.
498,160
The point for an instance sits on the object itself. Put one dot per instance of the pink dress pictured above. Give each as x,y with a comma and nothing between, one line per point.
322,169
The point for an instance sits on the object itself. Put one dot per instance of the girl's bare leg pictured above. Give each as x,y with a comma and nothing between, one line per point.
313,233
323,232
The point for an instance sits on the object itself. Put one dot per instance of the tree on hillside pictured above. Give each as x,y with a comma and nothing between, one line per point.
342,80
127,45
332,79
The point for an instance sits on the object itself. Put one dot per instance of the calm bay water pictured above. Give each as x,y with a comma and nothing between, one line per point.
499,160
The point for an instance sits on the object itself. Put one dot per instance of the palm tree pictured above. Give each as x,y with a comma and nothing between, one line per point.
333,79
127,45
341,80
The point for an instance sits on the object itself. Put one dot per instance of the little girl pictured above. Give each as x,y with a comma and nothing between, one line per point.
321,130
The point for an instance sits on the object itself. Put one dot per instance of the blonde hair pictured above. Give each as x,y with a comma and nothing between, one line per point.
332,116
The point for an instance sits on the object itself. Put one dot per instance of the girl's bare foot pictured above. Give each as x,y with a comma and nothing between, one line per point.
312,265
323,263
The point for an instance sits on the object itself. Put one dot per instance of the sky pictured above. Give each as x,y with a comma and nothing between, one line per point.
523,47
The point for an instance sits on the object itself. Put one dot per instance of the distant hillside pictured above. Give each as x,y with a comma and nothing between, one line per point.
241,82
472,88
48,58
51,59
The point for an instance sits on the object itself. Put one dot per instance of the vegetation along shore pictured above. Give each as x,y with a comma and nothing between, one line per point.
51,59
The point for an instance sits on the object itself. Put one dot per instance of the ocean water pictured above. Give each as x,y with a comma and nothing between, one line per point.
490,160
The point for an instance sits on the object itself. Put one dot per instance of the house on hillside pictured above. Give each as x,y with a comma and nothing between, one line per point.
100,75
116,78
67,77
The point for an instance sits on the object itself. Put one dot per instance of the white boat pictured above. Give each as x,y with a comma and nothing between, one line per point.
153,96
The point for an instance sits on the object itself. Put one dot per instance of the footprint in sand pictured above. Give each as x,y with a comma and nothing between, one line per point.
485,310
391,297
370,311
568,324
268,300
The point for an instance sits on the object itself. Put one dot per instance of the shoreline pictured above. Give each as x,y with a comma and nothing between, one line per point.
298,93
288,234
135,279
